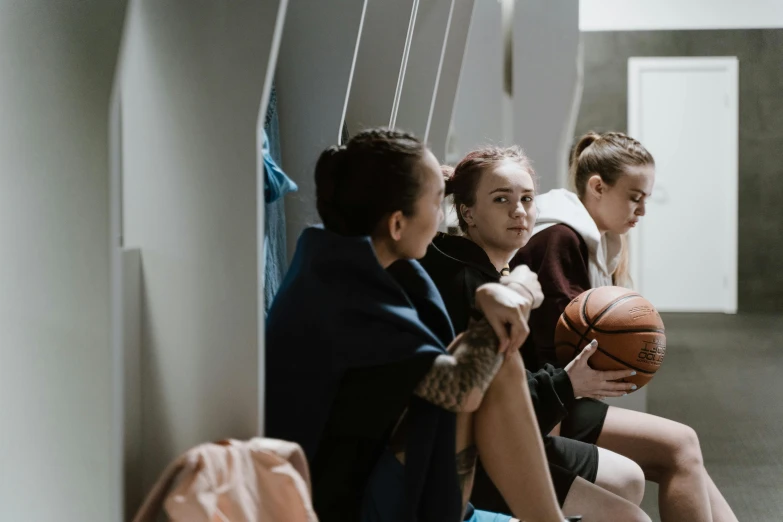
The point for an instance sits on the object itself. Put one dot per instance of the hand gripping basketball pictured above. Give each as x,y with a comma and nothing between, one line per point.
596,384
629,331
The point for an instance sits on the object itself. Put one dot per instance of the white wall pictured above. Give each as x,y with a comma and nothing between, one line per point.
638,15
57,61
546,91
478,117
191,92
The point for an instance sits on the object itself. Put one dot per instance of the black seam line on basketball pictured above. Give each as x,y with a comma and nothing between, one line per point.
572,327
623,362
568,322
583,308
635,330
599,316
576,348
586,319
606,310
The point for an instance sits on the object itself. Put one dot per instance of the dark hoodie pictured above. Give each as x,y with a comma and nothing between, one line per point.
458,266
346,344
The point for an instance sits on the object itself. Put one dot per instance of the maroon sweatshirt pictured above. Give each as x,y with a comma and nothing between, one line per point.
559,256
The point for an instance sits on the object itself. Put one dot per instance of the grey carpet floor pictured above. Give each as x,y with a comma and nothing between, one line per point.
723,376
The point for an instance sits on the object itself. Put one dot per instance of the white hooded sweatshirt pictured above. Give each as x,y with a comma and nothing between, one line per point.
561,206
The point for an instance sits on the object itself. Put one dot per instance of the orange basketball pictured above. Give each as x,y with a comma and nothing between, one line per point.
629,331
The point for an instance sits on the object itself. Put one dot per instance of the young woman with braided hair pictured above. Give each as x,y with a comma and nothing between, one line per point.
579,243
358,335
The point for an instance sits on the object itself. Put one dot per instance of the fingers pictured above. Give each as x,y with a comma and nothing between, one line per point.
588,350
499,326
526,309
519,332
615,375
610,393
618,387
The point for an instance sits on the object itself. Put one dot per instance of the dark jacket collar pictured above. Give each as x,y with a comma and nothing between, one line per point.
462,250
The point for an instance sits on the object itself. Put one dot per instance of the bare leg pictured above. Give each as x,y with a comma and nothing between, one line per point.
620,475
721,511
466,455
507,437
669,454
596,504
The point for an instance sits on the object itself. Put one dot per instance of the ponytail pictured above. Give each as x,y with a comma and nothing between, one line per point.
608,155
622,275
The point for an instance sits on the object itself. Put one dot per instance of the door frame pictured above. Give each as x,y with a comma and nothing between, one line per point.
730,65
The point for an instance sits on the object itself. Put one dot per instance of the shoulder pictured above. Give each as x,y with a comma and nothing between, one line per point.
559,234
442,268
559,238
553,246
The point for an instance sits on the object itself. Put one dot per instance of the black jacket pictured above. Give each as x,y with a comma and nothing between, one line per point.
458,266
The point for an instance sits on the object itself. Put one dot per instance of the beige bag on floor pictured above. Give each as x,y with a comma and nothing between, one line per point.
260,480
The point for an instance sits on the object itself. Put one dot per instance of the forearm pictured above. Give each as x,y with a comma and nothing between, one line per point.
457,382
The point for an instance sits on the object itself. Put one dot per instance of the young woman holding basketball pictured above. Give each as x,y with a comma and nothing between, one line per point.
495,210
495,191
578,244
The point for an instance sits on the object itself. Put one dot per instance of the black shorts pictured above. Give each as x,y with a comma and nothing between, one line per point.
573,454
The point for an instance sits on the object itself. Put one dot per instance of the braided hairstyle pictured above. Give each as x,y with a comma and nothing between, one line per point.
607,155
373,175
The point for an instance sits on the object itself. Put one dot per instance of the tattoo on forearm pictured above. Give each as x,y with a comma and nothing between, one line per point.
471,368
466,471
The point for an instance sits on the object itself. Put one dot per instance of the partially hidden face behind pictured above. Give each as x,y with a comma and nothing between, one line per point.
414,233
619,207
504,211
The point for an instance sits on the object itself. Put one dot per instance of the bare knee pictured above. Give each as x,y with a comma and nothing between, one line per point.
615,511
508,378
634,483
597,504
687,448
620,475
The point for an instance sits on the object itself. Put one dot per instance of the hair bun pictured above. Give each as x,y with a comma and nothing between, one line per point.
448,176
326,171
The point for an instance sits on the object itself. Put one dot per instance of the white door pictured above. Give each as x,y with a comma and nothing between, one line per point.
684,251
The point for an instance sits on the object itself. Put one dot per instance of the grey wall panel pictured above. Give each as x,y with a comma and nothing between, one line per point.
313,78
379,63
192,83
546,50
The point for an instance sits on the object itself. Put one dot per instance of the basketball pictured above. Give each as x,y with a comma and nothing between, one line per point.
628,328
